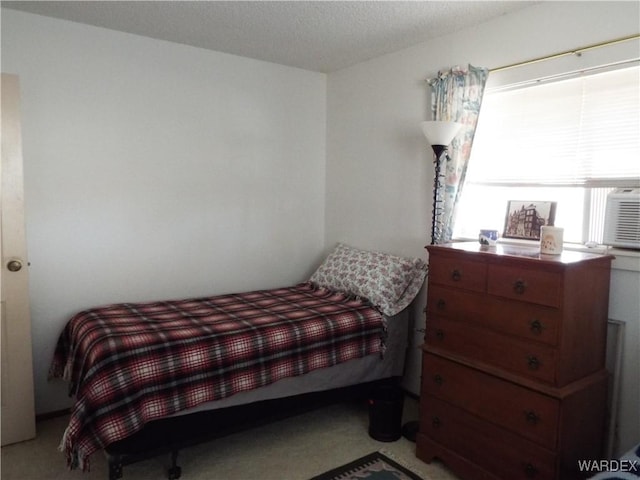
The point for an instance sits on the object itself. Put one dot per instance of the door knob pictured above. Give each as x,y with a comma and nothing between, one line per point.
14,265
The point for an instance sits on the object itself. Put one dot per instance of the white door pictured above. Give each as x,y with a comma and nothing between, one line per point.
17,404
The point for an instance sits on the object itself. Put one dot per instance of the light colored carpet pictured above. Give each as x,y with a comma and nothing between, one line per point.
297,448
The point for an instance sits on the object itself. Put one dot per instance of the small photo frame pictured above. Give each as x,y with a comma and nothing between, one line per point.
525,217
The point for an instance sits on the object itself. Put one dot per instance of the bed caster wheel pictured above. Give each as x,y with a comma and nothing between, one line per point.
115,470
174,473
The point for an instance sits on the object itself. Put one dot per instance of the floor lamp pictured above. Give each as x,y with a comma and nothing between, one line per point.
439,135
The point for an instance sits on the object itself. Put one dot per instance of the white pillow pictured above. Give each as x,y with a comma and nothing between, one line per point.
389,282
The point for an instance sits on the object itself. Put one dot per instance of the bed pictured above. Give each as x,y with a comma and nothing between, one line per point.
130,365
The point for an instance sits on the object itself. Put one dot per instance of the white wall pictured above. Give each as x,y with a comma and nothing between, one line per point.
155,170
379,167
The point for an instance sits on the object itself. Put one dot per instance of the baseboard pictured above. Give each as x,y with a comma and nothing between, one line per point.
49,415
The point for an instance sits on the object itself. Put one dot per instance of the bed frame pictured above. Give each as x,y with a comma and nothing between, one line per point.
170,435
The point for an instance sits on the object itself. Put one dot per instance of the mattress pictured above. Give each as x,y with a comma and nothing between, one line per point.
352,372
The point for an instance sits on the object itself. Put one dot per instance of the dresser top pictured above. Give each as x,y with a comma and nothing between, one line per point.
522,252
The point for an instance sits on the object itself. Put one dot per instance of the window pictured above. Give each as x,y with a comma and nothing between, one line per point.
571,141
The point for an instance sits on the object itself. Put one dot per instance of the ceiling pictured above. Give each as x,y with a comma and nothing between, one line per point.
322,36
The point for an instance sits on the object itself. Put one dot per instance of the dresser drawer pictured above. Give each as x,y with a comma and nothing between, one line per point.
523,411
484,444
531,322
533,360
455,303
528,285
460,273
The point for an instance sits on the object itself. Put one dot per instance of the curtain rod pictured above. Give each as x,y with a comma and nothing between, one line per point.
575,51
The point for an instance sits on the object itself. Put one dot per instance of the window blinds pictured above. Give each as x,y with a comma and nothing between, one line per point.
582,131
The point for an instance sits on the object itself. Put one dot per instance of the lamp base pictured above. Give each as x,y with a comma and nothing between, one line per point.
410,430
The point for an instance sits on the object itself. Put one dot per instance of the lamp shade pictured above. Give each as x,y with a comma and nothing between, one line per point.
440,133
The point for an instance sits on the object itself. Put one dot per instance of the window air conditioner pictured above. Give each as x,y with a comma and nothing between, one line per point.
622,218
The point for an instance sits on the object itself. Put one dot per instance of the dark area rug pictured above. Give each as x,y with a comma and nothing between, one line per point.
374,466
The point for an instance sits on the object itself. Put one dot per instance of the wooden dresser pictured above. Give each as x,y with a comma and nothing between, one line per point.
513,379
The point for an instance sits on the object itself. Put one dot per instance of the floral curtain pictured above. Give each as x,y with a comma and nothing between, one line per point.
456,95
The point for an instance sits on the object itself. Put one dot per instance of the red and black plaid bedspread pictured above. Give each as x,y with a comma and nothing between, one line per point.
129,363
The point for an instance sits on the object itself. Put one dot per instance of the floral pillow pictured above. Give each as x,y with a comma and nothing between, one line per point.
389,282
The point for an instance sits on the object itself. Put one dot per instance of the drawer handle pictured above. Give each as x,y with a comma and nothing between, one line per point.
437,378
530,470
441,304
533,362
536,326
440,335
435,422
456,276
519,287
531,417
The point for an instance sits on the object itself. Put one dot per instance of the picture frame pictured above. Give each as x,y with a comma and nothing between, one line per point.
525,217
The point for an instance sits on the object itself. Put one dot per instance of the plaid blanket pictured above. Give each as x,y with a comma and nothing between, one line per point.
128,364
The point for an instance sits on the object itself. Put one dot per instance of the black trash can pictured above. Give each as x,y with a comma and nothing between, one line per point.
385,413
